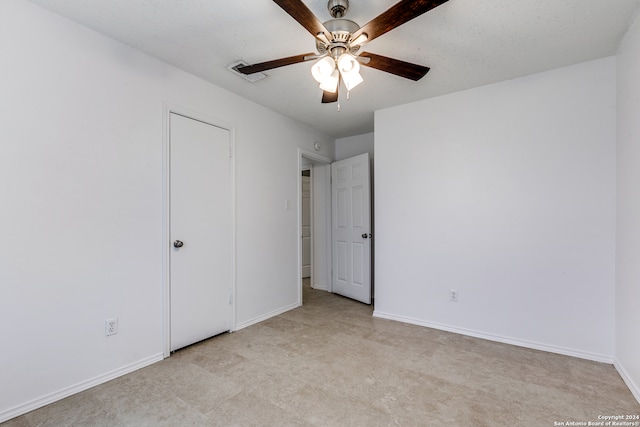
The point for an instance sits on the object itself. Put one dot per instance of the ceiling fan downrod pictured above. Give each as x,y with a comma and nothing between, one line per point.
338,8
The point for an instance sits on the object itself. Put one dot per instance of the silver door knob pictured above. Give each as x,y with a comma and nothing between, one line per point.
178,244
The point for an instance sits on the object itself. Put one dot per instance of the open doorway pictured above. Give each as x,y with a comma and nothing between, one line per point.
314,221
307,222
343,265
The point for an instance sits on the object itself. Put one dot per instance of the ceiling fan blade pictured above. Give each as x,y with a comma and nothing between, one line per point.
329,97
304,16
268,65
398,14
394,66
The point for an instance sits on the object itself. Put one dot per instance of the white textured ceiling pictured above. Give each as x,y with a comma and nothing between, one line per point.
467,43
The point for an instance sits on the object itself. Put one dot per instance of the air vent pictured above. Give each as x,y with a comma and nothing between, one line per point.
250,77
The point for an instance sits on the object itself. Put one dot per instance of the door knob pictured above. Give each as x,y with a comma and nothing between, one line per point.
178,244
365,235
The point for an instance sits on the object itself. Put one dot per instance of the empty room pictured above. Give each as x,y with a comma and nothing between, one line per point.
312,212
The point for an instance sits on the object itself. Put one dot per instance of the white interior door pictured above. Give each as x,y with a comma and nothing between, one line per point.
351,228
200,231
306,226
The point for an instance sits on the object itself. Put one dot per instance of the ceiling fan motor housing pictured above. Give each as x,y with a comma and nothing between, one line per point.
341,30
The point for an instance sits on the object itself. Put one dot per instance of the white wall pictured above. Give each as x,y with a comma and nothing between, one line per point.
628,212
81,118
505,193
354,145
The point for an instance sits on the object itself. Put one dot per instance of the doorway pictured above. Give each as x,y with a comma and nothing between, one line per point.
307,222
325,250
318,273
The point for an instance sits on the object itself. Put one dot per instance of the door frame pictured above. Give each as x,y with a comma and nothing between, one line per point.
316,158
169,109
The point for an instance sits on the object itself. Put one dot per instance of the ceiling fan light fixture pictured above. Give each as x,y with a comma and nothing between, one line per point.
323,69
330,84
352,80
349,70
347,63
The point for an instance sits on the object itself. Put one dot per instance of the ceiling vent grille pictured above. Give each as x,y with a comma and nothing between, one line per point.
250,77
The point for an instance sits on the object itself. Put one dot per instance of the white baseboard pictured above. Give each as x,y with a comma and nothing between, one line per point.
497,338
264,317
77,388
321,287
633,387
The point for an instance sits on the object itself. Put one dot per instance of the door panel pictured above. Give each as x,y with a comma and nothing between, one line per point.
351,228
358,264
200,277
357,209
341,206
342,250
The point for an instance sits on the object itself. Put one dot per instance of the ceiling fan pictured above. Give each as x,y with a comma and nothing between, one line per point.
338,42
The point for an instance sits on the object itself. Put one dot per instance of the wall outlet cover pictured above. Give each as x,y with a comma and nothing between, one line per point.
111,326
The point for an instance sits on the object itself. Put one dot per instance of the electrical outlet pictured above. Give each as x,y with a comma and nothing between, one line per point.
111,326
453,295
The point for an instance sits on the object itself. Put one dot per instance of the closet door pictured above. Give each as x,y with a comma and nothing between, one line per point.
200,231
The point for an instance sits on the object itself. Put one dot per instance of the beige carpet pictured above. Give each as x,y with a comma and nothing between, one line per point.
330,363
